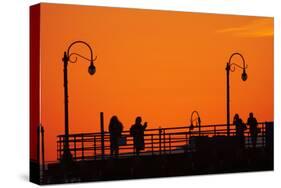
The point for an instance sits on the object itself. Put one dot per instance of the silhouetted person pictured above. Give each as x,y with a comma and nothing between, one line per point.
240,128
115,129
137,131
253,123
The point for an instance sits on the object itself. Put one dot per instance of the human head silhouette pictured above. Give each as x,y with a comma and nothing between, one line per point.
236,116
113,119
138,120
251,114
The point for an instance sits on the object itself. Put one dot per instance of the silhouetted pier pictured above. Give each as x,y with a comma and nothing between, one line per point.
168,152
91,146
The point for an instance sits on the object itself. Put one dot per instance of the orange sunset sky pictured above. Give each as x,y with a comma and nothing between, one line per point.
160,65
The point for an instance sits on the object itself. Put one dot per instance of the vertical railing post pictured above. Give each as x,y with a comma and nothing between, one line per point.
199,129
102,134
185,149
95,145
170,148
60,140
152,144
160,141
75,155
164,141
82,140
263,134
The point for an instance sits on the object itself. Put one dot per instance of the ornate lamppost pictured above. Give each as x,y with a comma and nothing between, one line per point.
67,156
231,67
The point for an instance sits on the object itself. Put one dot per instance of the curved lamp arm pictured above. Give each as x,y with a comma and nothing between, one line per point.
82,42
234,64
67,56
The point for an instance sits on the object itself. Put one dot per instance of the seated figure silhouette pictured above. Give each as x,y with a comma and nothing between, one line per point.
240,128
253,123
137,131
115,129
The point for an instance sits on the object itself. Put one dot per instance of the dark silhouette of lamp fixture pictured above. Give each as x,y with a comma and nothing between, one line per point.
92,68
197,119
231,67
67,156
244,75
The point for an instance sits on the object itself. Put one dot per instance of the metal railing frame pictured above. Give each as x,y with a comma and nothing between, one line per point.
159,141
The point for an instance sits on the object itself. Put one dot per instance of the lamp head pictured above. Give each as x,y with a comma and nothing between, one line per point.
244,75
92,68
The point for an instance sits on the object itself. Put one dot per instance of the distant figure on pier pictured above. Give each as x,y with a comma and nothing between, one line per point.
115,129
240,128
137,131
253,123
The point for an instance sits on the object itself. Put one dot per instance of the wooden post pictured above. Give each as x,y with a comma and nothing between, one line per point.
102,134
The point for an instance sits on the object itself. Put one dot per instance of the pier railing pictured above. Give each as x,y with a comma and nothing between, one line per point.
172,140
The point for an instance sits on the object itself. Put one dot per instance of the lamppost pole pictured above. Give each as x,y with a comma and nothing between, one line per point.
227,99
67,156
66,152
231,67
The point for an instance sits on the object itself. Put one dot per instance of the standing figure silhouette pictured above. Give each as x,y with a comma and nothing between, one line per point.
137,131
253,123
115,129
240,128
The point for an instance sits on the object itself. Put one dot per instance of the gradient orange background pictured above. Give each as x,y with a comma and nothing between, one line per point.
161,65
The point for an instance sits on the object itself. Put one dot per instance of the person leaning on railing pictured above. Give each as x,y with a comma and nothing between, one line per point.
254,130
137,131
